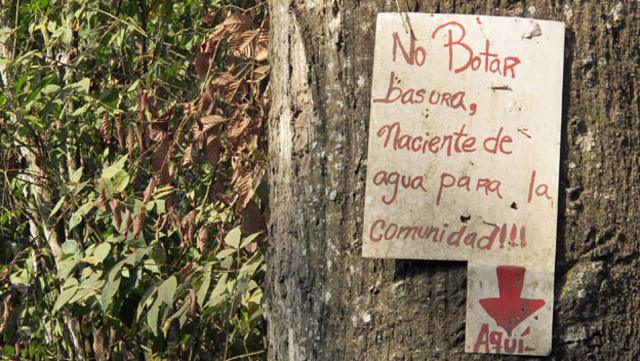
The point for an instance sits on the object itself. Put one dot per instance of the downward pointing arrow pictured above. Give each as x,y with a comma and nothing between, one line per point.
509,310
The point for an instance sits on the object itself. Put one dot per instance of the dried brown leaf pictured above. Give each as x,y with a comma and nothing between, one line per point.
206,99
186,271
156,133
209,19
244,186
131,139
101,202
187,226
203,237
215,36
194,303
160,161
245,43
115,209
140,137
239,127
262,51
237,23
138,224
261,72
213,150
253,222
251,142
99,344
202,62
211,121
173,169
187,158
167,221
143,101
147,102
7,312
189,218
120,132
128,219
148,192
105,128
147,137
227,86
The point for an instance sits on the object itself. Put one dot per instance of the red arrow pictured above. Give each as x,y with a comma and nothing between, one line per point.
509,309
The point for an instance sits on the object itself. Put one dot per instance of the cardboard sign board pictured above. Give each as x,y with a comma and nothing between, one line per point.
464,146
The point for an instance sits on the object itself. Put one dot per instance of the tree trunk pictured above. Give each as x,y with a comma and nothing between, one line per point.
325,302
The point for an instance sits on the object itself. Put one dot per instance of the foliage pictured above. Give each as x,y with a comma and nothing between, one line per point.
131,174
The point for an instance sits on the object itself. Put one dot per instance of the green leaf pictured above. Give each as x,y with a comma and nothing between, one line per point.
111,287
178,314
109,99
251,266
79,214
70,247
76,176
115,270
50,88
108,292
90,259
249,239
82,85
151,265
67,35
226,263
160,205
183,315
218,293
5,33
136,256
233,238
145,300
75,220
225,253
102,251
66,266
93,279
152,316
52,26
157,254
57,206
65,296
110,171
120,181
204,287
80,110
82,294
21,277
256,297
34,121
167,289
8,351
78,187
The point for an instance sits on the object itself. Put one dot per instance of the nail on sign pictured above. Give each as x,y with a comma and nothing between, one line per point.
464,146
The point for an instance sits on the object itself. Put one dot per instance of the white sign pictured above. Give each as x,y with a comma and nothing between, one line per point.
464,145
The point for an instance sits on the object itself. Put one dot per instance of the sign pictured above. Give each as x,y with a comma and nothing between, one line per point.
464,146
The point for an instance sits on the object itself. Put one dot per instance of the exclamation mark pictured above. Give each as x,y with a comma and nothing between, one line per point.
503,235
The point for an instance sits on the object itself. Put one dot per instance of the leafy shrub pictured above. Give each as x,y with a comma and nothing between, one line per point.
132,194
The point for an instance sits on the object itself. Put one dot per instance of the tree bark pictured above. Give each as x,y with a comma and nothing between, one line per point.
325,302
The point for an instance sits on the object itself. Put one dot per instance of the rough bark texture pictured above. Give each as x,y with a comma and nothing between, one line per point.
325,302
